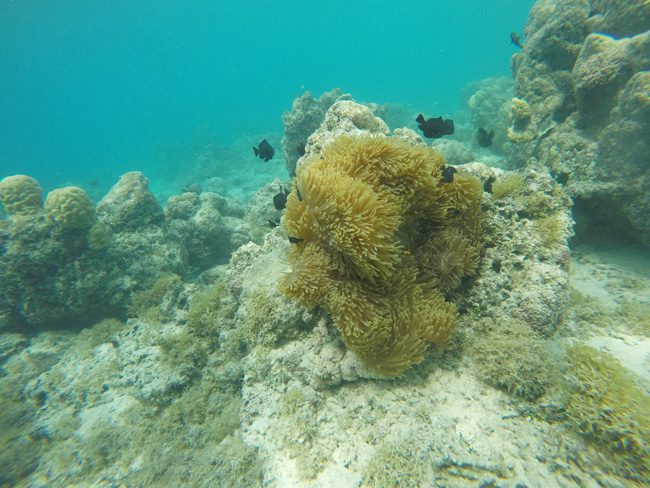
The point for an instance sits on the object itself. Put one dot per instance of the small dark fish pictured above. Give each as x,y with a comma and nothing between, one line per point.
546,133
298,194
94,182
280,199
192,188
435,127
264,150
516,40
272,224
295,240
487,186
448,174
301,149
484,137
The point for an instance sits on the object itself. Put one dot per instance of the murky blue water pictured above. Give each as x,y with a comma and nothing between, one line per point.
89,90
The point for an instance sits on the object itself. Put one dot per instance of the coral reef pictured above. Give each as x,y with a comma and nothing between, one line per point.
587,92
521,130
20,194
453,150
224,381
307,113
359,214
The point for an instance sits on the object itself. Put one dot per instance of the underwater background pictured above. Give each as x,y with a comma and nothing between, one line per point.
107,89
336,244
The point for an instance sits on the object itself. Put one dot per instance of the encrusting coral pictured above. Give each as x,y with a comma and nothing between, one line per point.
364,219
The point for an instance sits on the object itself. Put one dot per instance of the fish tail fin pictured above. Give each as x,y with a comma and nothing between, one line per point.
256,151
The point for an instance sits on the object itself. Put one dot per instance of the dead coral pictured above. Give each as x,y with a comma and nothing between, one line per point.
366,221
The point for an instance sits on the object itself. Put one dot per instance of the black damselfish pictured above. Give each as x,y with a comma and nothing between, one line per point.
435,127
447,174
280,199
264,150
484,137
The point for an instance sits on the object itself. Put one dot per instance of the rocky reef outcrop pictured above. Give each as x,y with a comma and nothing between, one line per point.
64,262
305,116
583,107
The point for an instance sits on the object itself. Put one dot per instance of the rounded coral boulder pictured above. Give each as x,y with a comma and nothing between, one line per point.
20,194
70,207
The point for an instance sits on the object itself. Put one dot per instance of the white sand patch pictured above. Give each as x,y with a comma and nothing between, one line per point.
633,353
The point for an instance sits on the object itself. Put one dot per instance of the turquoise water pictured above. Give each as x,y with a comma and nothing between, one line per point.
89,90
223,331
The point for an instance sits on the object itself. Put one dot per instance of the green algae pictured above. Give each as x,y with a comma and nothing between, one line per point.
99,333
508,354
147,304
607,407
637,315
509,186
396,466
550,229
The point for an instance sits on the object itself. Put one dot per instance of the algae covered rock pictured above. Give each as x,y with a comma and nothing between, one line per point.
344,117
262,214
20,194
307,113
196,221
583,73
603,68
70,208
130,205
60,267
